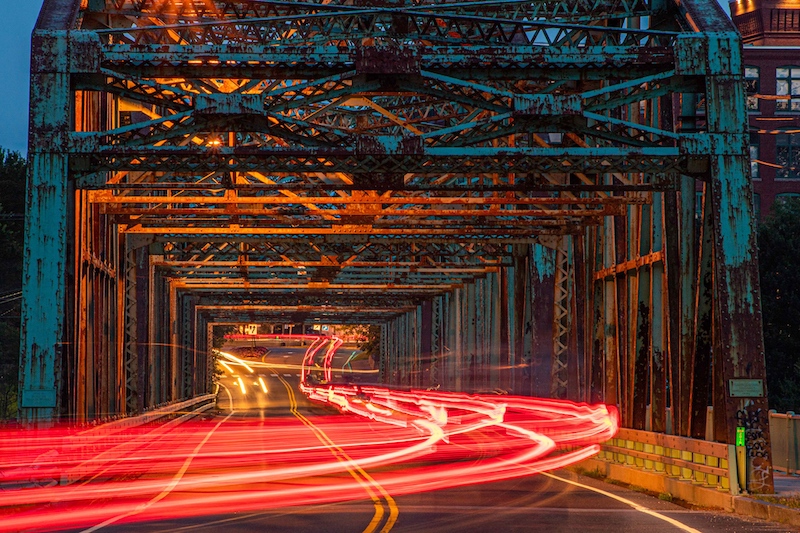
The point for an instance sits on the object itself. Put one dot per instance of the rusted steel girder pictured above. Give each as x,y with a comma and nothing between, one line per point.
434,154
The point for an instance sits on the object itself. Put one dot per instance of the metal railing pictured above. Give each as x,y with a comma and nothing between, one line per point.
695,461
784,430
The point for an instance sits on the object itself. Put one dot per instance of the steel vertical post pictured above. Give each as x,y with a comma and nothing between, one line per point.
46,228
738,335
543,273
658,364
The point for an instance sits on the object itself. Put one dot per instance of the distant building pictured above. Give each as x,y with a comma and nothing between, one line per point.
771,33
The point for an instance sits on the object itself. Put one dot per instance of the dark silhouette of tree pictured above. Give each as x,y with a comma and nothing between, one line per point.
13,168
779,265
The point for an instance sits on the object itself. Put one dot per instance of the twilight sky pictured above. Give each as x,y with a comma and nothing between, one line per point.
16,25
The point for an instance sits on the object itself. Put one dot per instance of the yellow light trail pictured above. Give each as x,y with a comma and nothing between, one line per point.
236,360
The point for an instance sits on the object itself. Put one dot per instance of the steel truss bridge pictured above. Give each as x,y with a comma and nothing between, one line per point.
546,196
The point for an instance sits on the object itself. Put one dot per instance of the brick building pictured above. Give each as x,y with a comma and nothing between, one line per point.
771,33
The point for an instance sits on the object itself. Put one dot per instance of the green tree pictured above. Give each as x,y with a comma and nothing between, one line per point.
779,265
371,334
13,168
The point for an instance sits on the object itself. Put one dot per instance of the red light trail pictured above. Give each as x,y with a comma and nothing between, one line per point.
426,440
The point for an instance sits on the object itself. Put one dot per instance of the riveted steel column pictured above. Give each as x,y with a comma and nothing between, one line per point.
738,335
174,348
46,229
391,353
457,326
200,352
479,353
504,305
402,350
703,326
159,376
187,349
611,350
205,330
523,344
543,292
604,371
562,319
130,344
680,282
437,340
497,332
384,354
427,329
688,301
448,340
643,325
658,362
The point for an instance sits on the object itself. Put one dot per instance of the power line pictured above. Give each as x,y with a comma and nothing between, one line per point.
10,297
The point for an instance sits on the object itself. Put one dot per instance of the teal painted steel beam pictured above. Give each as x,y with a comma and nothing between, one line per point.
47,228
737,335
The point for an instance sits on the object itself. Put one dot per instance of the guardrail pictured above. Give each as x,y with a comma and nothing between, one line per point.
784,430
696,461
99,444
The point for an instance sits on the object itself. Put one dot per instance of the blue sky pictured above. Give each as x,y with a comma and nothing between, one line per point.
16,25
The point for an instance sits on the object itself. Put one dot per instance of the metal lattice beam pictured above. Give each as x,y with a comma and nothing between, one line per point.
389,163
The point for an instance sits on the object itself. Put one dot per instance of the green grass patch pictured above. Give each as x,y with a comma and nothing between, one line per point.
788,501
594,474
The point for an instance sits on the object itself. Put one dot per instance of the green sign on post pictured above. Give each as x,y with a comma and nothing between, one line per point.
740,436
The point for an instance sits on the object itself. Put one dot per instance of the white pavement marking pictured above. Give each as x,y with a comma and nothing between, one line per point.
164,493
636,506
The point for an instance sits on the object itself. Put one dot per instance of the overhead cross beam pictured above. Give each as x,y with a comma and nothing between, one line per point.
506,187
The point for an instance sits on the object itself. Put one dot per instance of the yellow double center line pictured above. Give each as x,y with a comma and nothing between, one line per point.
361,476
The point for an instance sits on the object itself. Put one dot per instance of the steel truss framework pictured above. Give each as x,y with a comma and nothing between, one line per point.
507,187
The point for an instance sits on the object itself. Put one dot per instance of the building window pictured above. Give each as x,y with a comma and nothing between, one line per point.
788,84
757,206
786,196
751,86
754,149
787,155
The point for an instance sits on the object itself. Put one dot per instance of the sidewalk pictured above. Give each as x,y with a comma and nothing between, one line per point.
786,486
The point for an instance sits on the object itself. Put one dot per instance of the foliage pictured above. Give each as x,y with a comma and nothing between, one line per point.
13,168
9,369
779,265
789,500
371,334
218,335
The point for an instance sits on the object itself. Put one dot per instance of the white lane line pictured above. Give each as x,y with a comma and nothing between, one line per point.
636,506
164,493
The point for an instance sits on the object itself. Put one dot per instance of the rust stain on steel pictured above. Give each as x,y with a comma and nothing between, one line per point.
387,60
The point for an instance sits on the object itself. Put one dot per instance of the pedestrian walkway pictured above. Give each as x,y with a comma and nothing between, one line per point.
787,484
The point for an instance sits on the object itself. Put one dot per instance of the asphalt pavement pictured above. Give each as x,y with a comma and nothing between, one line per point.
560,501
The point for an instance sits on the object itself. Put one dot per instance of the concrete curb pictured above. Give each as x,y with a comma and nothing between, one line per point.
701,496
772,512
660,483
